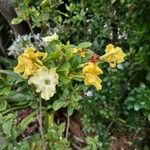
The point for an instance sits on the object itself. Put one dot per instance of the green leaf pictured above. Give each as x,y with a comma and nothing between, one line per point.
70,111
58,104
64,78
84,45
25,122
56,54
68,52
3,143
148,117
23,145
24,11
34,13
148,76
64,68
50,48
3,104
26,2
44,16
136,107
6,90
7,127
10,73
21,98
113,1
10,146
16,20
122,1
63,72
75,96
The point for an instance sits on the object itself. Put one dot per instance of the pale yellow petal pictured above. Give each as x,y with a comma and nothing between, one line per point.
49,39
109,47
45,81
90,79
92,68
19,69
29,62
113,55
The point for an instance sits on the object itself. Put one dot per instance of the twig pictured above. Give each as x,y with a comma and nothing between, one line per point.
68,124
32,32
136,133
78,139
75,146
41,125
110,125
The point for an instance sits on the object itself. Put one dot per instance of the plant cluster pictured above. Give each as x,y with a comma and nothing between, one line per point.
117,116
57,73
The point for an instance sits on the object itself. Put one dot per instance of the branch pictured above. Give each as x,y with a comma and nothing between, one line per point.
40,120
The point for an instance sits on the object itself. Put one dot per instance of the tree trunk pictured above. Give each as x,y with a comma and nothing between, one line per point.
8,12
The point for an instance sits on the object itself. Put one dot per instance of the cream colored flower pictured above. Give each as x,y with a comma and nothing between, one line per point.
49,39
45,81
29,62
113,55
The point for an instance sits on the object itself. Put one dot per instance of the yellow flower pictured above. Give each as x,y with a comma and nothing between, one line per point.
113,55
90,74
92,68
29,62
51,38
45,81
79,51
109,47
91,79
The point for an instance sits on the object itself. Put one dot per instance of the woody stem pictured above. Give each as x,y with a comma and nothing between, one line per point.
68,124
40,120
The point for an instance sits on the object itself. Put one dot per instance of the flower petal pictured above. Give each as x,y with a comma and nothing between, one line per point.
45,81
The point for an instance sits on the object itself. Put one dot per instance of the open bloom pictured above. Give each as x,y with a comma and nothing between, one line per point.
113,55
90,79
29,62
90,74
45,81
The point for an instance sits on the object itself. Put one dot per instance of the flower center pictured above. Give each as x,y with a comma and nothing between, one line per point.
47,82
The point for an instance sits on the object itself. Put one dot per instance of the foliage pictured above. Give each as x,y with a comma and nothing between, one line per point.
60,65
119,110
138,100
